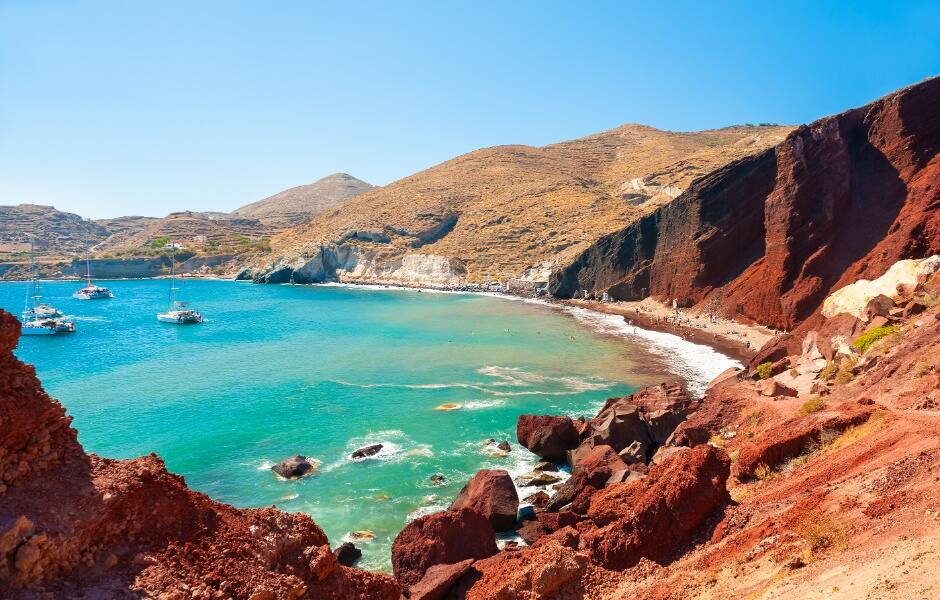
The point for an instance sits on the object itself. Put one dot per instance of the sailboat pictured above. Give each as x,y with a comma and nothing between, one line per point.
91,291
176,312
40,318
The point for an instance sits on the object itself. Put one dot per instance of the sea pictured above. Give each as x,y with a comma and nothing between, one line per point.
280,370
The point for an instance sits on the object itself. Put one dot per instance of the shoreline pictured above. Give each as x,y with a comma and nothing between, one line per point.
723,335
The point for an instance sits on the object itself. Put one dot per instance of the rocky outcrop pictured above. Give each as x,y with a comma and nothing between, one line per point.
550,571
492,494
77,525
654,517
546,435
768,237
441,538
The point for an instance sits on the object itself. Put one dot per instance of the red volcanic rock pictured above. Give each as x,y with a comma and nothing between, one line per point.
768,237
663,407
557,520
568,491
548,436
441,538
492,494
566,536
618,425
108,514
530,531
438,581
549,571
790,439
598,465
653,517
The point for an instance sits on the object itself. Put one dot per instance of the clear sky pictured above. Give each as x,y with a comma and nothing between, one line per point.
134,107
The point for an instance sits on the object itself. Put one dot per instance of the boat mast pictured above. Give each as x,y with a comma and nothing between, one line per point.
87,268
172,280
32,277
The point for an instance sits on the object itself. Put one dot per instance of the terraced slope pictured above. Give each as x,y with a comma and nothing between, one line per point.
51,230
504,211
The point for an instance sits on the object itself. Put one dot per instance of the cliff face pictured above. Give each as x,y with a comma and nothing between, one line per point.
767,237
80,525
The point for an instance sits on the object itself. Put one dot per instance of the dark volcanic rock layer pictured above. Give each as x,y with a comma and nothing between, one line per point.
769,236
77,525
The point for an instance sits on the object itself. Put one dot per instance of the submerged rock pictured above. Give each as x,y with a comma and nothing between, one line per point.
437,479
366,451
295,467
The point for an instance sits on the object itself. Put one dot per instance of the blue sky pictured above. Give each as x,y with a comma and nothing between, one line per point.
131,107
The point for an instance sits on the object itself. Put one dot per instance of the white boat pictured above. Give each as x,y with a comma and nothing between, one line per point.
39,318
91,291
176,312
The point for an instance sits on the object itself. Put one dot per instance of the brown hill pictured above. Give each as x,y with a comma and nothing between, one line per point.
299,204
502,211
51,230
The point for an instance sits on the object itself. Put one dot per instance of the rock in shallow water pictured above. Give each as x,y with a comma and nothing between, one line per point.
295,467
366,451
347,554
492,494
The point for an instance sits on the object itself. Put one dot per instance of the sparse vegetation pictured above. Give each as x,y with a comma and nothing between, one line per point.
829,371
159,243
821,532
865,341
814,404
844,374
763,472
763,369
716,440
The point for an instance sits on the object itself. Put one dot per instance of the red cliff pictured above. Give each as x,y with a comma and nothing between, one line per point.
768,237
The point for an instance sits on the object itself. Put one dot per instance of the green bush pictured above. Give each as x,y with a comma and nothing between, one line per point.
865,341
814,404
763,370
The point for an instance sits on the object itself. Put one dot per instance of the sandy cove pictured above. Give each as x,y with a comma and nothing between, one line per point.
724,335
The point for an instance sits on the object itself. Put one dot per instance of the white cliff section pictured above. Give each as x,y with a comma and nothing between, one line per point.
349,263
854,298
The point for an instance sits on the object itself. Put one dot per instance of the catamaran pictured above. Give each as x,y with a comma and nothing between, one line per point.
40,318
176,312
91,291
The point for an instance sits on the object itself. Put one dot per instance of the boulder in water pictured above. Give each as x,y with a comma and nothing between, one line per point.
295,467
366,451
437,479
347,554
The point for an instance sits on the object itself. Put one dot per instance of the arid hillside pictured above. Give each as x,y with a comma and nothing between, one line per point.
500,212
298,204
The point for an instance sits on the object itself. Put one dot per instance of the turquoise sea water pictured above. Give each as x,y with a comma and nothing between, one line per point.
283,370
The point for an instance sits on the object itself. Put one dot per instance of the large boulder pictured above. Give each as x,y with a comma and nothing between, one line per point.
618,425
347,554
598,465
440,539
366,451
491,493
548,436
663,407
652,517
